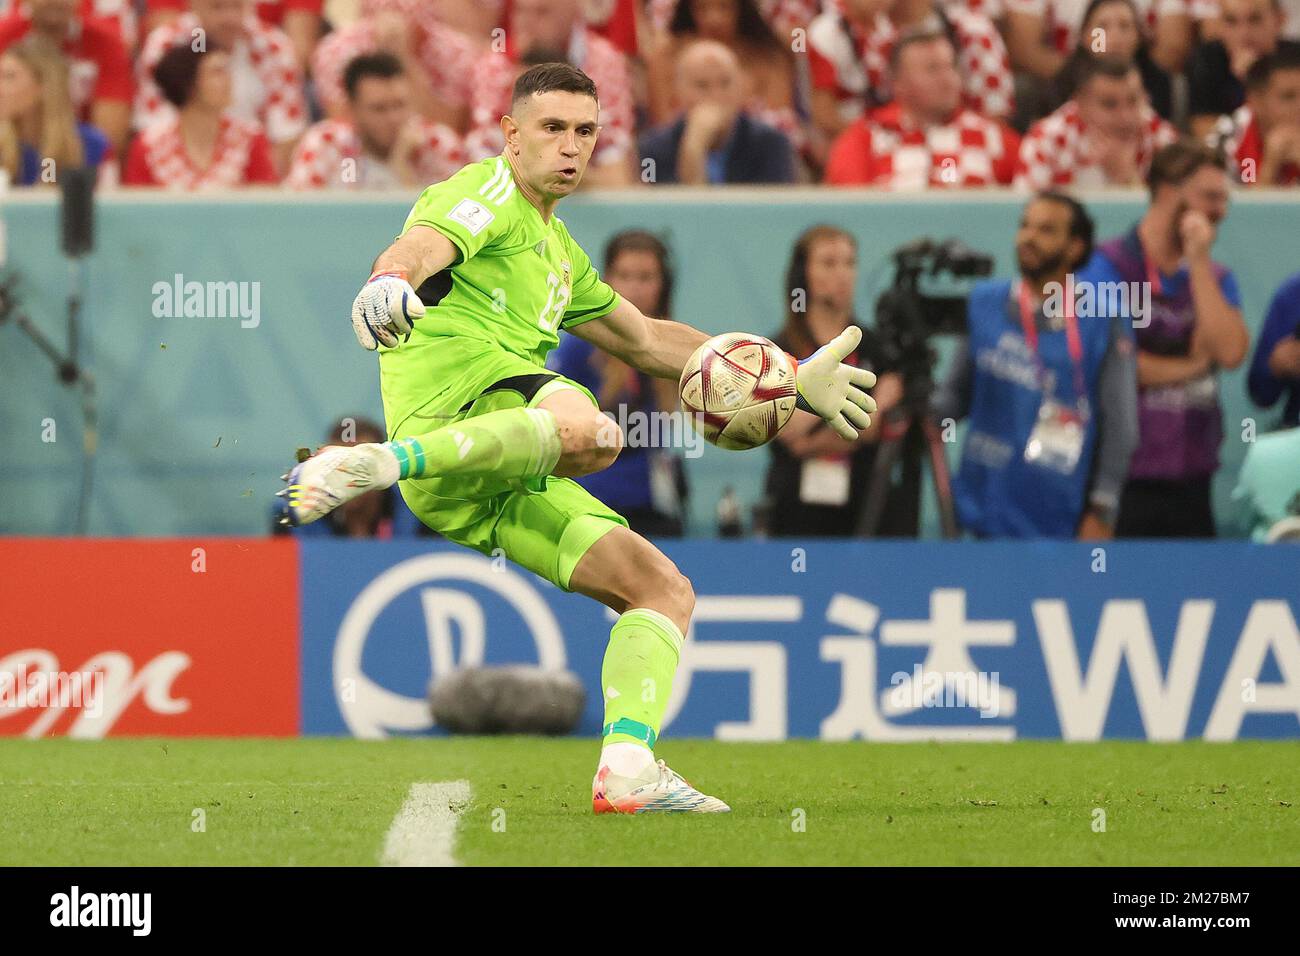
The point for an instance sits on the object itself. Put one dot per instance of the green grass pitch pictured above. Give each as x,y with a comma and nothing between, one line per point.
327,801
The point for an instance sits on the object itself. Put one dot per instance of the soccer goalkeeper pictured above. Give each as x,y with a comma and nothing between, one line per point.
485,442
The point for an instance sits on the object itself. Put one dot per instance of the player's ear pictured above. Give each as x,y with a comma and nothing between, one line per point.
510,130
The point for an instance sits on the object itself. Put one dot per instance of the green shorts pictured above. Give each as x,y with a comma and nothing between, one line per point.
545,525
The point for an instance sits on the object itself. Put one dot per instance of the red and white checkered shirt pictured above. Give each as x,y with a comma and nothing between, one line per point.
1054,153
158,158
494,78
853,62
1062,19
329,156
1239,138
267,81
448,57
887,150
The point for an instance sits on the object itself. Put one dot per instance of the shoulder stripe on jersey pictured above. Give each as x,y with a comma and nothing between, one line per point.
498,189
491,183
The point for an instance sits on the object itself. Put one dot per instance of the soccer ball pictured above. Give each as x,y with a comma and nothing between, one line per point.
738,390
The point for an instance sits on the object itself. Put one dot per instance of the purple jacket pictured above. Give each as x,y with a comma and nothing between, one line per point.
1181,426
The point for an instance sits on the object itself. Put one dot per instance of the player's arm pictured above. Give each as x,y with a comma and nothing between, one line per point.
387,304
658,347
827,387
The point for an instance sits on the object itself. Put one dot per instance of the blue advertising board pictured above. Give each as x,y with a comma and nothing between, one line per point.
842,640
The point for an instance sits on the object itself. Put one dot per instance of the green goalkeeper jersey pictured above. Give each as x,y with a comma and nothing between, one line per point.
518,280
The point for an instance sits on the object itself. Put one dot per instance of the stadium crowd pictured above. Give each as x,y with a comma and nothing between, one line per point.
893,94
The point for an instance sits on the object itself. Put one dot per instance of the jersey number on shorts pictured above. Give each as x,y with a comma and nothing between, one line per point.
553,311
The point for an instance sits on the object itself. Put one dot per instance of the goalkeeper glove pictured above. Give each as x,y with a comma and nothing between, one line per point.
833,390
385,308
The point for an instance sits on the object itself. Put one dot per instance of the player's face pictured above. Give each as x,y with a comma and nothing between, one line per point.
1043,240
380,109
20,90
716,19
636,276
1113,106
832,272
555,133
1279,103
1119,31
213,85
1249,25
928,81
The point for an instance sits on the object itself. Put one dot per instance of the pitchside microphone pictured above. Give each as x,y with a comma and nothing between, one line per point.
78,186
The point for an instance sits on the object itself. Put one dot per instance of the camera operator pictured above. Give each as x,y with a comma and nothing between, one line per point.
817,480
1051,394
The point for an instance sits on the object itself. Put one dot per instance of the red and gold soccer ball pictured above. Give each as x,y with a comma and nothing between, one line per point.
738,390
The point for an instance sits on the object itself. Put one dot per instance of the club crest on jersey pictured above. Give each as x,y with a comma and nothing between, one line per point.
471,214
565,268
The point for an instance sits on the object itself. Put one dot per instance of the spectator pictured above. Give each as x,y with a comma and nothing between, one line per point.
783,16
1217,72
714,140
1262,138
300,20
817,481
437,59
850,46
39,131
557,24
765,58
1276,366
1193,328
203,145
925,138
1104,136
383,145
1042,33
1209,22
1113,28
266,81
380,513
646,485
1050,393
120,15
100,70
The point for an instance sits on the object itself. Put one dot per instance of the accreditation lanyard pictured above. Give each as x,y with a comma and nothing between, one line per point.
1029,322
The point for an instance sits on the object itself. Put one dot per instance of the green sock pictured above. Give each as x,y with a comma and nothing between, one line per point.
511,443
637,676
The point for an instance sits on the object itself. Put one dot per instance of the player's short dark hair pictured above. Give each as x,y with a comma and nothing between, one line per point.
177,72
912,38
380,65
1262,71
552,78
1176,163
639,240
1081,227
1111,67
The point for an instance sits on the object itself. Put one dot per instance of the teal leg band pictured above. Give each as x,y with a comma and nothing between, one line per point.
633,728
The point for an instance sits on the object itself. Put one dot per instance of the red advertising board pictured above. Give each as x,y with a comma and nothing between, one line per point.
167,637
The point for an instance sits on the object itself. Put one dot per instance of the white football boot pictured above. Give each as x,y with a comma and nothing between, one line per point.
657,789
338,474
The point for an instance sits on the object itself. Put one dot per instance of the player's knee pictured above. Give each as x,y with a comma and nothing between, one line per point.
589,445
673,593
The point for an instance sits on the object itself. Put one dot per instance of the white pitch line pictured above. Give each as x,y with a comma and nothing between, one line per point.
424,830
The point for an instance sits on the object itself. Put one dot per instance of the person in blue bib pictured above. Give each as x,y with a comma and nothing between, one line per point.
1047,377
